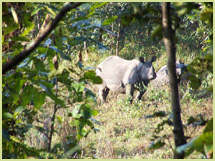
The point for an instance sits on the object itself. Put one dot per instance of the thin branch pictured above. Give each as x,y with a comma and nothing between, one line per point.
35,43
53,119
38,128
52,127
115,35
38,120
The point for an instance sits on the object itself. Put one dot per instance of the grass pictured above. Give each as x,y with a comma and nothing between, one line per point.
125,132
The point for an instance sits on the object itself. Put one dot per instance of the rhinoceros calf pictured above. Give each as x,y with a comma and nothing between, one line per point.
163,75
118,73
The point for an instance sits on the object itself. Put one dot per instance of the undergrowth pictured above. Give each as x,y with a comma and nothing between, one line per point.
127,131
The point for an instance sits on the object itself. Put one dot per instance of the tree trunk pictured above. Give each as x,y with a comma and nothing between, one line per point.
169,42
117,41
86,51
80,59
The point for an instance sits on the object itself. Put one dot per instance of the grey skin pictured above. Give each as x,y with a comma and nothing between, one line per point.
163,75
118,74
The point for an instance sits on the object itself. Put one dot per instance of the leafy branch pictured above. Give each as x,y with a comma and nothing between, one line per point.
35,43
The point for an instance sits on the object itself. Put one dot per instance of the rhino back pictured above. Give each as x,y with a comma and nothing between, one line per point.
112,71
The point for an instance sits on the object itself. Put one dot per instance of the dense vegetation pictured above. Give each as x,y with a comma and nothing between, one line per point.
49,103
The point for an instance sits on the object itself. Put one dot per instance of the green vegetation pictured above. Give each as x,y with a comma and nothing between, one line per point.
49,103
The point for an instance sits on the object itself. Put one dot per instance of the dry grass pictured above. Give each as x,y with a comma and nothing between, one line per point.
126,133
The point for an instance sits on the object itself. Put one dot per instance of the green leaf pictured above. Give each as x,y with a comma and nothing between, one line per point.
5,135
204,139
79,87
100,45
98,5
28,24
59,119
86,111
194,82
7,115
76,110
20,38
39,99
15,17
55,48
28,94
51,9
157,114
156,145
70,152
209,126
198,143
95,6
56,99
209,151
91,13
207,16
17,46
191,120
42,50
19,109
39,65
80,18
157,32
189,151
160,114
28,29
184,147
15,139
76,40
84,133
95,112
9,29
109,20
37,9
183,8
46,86
90,124
91,76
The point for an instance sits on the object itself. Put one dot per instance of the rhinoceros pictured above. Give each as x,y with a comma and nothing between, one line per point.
118,74
163,75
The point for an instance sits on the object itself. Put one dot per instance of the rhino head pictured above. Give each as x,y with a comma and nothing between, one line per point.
146,70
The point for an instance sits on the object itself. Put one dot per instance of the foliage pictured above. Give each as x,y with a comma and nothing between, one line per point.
38,84
27,88
198,68
202,143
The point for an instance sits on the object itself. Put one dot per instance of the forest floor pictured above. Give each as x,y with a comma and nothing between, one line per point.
128,131
125,130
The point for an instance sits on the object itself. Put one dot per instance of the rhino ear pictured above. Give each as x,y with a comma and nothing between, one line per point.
154,58
141,59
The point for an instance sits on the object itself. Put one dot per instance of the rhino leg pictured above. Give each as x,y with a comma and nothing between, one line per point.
141,90
130,92
140,94
103,92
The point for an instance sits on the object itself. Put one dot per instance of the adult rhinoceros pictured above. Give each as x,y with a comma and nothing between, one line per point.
163,75
118,73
